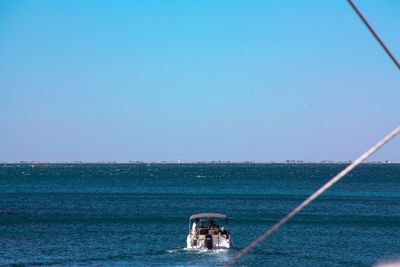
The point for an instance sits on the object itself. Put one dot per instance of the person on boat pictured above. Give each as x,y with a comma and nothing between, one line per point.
213,225
195,226
214,228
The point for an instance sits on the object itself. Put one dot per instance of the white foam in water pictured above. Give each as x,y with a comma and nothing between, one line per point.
176,250
211,251
200,251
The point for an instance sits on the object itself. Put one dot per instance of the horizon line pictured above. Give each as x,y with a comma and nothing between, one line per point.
138,162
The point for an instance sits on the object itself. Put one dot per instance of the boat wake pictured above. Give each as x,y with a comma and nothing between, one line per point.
201,251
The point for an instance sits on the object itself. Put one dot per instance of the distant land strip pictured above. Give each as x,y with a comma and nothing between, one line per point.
33,162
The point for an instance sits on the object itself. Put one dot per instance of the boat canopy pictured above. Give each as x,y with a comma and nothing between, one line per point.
208,215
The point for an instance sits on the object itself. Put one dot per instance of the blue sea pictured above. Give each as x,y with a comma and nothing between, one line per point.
137,214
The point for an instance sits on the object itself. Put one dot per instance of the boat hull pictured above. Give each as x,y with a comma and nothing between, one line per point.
208,242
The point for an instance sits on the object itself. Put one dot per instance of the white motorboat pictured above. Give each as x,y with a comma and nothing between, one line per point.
209,231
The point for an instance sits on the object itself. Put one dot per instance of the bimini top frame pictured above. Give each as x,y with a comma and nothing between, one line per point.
209,215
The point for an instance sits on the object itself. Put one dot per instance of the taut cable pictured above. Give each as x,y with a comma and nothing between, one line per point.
374,34
340,175
311,198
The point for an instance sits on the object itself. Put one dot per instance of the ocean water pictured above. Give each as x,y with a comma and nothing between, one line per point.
137,215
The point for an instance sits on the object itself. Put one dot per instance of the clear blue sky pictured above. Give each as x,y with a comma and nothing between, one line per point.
200,80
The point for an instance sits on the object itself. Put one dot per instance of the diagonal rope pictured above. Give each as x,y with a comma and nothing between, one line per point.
374,33
311,198
341,174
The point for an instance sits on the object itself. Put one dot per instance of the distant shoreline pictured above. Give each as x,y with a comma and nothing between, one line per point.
299,162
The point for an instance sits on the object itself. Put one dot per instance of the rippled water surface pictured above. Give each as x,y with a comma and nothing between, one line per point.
136,215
